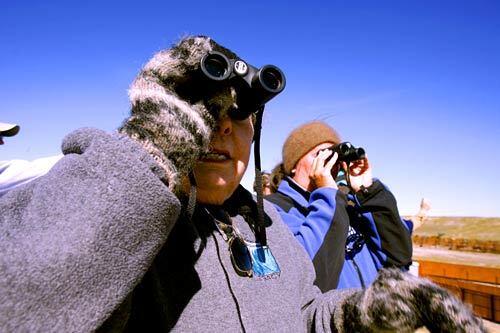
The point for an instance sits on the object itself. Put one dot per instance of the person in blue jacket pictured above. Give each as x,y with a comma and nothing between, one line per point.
351,229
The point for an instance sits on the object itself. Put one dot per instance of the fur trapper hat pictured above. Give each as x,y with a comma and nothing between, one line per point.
174,111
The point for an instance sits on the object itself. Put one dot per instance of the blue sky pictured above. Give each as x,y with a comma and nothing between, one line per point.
416,83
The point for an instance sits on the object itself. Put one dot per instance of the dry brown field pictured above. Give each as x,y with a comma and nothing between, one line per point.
478,234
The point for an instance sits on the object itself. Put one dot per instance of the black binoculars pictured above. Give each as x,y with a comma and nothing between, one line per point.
257,86
347,152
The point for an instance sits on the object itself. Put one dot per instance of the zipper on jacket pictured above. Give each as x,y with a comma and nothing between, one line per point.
359,273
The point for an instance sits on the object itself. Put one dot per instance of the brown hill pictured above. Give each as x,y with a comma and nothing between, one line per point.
481,234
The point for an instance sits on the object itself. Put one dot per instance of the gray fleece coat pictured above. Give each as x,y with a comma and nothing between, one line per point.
100,243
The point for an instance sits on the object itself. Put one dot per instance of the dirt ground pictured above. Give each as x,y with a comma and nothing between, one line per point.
457,257
491,327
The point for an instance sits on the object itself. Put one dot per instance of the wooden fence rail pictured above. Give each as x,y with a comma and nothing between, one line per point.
475,285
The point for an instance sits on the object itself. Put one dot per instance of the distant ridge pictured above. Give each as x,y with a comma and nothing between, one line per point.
480,234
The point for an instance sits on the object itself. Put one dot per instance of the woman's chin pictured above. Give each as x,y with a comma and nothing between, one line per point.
216,187
211,198
216,194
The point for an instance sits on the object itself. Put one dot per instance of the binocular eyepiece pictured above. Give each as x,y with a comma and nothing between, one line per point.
259,85
347,152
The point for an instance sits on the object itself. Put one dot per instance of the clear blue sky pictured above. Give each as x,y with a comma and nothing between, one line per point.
417,83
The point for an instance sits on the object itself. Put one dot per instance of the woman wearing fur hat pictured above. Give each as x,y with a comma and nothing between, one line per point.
361,221
149,230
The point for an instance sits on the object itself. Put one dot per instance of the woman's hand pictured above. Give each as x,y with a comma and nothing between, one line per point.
321,173
360,174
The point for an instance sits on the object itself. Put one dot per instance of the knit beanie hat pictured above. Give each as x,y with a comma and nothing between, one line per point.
303,139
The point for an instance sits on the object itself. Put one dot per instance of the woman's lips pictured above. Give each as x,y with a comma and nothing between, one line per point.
216,155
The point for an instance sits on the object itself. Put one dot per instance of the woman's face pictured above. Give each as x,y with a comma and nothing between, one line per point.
303,167
219,172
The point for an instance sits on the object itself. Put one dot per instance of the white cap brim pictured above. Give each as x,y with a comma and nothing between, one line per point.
8,129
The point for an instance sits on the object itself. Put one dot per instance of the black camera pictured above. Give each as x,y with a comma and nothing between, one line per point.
347,152
256,86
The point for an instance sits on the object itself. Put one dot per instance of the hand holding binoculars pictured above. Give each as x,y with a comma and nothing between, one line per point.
256,86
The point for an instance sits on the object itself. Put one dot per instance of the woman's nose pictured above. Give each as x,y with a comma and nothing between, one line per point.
224,126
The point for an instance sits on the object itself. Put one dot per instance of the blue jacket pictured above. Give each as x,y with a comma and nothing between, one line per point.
319,222
377,237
